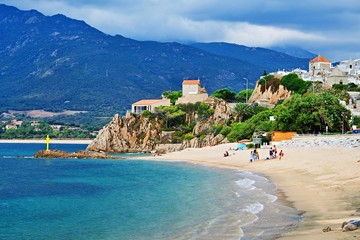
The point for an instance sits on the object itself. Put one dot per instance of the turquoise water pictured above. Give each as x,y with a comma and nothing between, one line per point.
127,199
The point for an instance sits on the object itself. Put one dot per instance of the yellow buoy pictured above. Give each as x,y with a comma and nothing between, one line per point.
47,142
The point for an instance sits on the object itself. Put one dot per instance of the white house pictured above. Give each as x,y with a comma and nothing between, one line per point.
149,104
319,68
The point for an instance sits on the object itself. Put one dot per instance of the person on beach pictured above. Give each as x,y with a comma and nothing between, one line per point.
281,154
226,154
251,157
255,155
271,153
350,225
274,151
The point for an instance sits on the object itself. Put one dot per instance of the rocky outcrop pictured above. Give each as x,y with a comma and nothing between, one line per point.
135,133
63,154
128,134
269,96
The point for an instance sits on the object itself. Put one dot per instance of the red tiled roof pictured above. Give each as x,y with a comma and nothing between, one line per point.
191,82
320,59
149,101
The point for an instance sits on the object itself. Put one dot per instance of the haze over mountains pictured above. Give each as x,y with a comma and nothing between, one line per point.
56,63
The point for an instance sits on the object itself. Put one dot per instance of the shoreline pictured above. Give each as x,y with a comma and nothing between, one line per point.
321,182
52,141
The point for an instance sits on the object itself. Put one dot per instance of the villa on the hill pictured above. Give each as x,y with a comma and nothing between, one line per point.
149,105
322,70
192,92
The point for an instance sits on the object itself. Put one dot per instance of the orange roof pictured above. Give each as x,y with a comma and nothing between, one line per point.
202,90
149,101
320,59
191,82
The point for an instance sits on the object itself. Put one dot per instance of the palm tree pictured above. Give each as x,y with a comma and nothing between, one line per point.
242,110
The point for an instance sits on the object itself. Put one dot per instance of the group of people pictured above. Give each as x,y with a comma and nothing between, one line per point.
273,153
254,155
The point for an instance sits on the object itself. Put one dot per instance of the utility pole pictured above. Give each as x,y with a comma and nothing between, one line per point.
247,83
342,115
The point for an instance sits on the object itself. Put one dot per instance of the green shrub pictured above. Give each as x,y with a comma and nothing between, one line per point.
293,83
250,145
187,136
216,129
224,94
202,136
146,113
225,130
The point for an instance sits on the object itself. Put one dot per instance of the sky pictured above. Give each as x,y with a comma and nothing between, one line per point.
330,28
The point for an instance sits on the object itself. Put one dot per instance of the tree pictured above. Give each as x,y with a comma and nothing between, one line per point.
242,110
224,94
293,83
311,114
172,95
241,96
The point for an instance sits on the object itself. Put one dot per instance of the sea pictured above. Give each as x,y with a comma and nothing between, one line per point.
88,199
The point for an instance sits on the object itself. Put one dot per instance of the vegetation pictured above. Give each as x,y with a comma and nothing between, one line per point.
309,110
29,130
293,83
225,94
356,121
311,114
172,95
241,96
352,87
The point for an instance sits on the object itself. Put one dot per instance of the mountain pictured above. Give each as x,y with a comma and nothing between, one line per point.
56,63
294,51
266,59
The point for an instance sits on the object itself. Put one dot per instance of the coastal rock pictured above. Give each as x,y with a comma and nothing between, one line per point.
133,133
137,133
63,154
269,96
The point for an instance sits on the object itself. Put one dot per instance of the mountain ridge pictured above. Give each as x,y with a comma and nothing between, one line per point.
56,63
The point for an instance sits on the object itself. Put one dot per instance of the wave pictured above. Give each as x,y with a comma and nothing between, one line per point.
254,208
246,183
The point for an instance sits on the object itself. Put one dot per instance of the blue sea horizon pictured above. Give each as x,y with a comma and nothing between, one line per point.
131,199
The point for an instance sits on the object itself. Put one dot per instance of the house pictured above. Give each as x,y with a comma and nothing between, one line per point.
16,122
56,127
337,76
10,126
192,92
149,104
319,69
35,124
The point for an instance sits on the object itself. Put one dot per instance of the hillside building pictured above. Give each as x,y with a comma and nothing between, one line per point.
319,68
192,92
149,105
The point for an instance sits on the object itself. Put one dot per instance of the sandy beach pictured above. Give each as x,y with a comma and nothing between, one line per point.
323,182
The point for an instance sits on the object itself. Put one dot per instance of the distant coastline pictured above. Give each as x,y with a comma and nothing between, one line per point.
58,141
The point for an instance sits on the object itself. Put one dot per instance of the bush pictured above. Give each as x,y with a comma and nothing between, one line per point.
224,94
216,129
146,113
187,136
225,131
250,145
293,83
